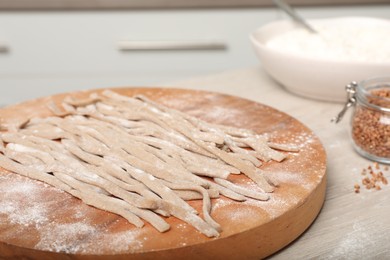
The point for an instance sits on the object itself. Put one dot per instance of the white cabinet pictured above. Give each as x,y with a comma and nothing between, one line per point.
52,52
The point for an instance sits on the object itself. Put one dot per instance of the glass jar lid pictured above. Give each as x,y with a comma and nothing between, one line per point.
373,93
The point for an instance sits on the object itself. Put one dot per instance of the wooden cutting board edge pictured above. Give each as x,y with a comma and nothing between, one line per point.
259,242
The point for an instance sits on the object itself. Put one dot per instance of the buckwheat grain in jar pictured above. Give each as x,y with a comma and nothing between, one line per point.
370,123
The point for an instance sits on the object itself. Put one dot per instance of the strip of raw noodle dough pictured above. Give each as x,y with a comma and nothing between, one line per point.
113,144
180,125
257,142
158,128
202,125
163,193
85,189
167,194
1,145
193,195
149,216
246,192
205,196
78,171
108,203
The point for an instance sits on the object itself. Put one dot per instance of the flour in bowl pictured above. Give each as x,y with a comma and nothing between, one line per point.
338,42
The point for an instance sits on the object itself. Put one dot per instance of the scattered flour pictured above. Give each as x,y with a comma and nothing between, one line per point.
24,214
293,178
24,203
355,244
21,202
63,237
222,113
85,238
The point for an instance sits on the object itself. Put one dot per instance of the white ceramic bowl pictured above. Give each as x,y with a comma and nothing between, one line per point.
318,78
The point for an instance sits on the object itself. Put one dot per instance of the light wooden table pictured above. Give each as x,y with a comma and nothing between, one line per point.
350,225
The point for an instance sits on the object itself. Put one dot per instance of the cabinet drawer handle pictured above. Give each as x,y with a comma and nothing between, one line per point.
170,45
3,47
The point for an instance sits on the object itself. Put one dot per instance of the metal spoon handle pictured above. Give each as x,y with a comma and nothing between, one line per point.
296,17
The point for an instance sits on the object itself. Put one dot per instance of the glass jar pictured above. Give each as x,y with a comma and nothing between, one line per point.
370,122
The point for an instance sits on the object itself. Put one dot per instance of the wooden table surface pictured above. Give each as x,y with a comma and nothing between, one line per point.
350,225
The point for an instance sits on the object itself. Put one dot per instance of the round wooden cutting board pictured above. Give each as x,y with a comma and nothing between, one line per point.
38,221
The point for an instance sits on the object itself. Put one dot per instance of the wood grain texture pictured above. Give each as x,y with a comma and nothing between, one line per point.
63,227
